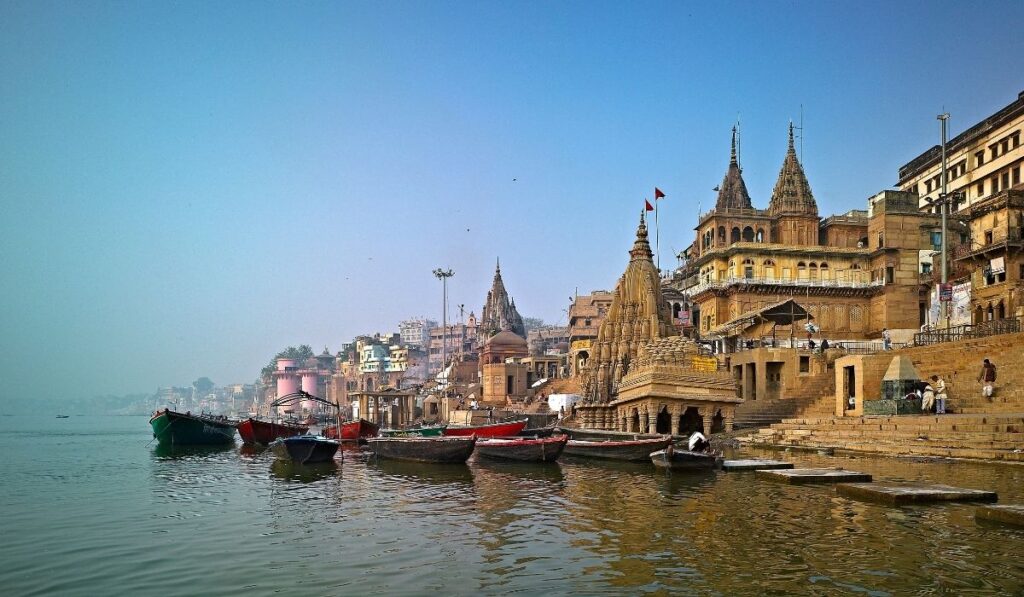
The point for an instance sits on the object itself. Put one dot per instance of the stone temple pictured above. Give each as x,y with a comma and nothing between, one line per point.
499,313
643,376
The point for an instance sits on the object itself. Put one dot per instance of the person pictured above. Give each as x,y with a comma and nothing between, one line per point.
824,345
886,339
987,377
940,395
472,404
699,443
811,344
928,401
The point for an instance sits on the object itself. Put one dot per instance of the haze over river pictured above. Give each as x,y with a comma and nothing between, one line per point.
91,507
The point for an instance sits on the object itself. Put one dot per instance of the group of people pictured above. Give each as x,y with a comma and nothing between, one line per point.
933,394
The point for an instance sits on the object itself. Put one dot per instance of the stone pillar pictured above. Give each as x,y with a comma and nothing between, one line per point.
675,413
643,422
707,413
652,422
728,416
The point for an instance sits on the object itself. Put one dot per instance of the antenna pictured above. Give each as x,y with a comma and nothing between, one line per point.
801,129
739,144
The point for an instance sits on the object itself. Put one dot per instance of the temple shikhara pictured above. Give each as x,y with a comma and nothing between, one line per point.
500,312
643,376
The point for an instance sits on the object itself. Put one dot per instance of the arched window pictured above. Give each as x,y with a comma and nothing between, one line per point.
823,269
813,267
801,270
721,235
735,235
748,234
769,269
760,235
748,268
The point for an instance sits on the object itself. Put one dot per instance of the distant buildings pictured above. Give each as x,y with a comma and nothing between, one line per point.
416,332
585,316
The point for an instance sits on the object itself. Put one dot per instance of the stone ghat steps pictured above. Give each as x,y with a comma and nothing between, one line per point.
945,440
959,364
805,400
922,449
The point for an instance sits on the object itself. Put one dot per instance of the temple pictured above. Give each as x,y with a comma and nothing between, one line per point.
499,313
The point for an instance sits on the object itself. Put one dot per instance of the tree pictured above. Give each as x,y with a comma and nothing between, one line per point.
300,354
203,385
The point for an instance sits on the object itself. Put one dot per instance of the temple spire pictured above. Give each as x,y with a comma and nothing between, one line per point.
791,148
732,193
732,155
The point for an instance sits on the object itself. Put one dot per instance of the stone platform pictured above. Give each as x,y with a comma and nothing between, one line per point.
755,464
899,494
803,476
1009,514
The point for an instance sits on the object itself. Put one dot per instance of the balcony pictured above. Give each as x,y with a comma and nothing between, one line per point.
790,282
1000,240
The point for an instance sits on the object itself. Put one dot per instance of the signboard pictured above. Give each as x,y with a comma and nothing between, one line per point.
581,344
998,265
945,293
685,317
704,363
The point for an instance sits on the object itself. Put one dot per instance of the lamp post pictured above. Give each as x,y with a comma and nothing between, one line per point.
443,276
944,206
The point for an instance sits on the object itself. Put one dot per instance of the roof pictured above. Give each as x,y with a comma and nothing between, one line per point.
732,193
506,338
792,193
786,312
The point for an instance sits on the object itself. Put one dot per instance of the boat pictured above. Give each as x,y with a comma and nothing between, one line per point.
423,449
433,431
63,416
305,449
523,449
255,431
170,427
603,435
631,450
676,460
353,431
547,431
506,429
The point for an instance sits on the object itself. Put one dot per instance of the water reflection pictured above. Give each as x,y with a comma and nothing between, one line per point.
172,452
250,451
519,472
287,470
419,472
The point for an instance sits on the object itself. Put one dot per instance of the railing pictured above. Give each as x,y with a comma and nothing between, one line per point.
1000,238
966,332
796,282
850,346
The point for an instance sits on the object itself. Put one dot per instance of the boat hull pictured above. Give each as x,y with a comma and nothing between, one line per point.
414,432
184,429
254,431
305,449
522,450
631,451
353,431
442,450
491,430
684,460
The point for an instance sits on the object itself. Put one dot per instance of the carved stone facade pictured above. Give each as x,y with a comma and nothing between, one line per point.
500,312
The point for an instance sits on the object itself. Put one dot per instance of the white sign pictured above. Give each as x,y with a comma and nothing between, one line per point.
998,265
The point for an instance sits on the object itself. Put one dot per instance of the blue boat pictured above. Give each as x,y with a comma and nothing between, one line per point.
305,449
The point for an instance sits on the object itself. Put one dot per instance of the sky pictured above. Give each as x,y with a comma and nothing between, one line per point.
188,187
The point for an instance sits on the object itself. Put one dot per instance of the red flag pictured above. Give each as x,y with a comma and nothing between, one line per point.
658,194
649,206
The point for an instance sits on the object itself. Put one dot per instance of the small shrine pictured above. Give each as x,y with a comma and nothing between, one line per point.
900,380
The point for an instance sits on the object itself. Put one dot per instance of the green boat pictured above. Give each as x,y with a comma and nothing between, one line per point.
187,429
414,432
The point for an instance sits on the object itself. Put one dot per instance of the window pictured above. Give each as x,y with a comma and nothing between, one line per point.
979,158
993,152
988,237
936,241
926,267
1006,180
890,274
1016,175
995,184
805,364
881,240
980,188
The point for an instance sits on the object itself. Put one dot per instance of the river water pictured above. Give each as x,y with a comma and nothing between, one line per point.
90,507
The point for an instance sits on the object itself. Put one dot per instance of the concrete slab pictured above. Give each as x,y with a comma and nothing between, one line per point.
755,464
1008,514
802,476
899,494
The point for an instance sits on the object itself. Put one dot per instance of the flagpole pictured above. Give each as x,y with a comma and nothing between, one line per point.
657,236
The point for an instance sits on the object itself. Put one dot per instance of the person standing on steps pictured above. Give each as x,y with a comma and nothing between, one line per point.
928,400
886,339
987,377
940,394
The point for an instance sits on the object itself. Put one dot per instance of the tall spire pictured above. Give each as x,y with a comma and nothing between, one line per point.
497,264
499,311
792,193
732,193
641,247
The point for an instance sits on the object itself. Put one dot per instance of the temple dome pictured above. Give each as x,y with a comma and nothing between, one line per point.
506,339
792,194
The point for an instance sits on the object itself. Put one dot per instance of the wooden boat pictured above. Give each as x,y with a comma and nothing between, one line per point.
63,416
435,431
684,460
523,449
538,432
507,429
423,449
353,431
601,435
184,429
630,450
255,431
305,449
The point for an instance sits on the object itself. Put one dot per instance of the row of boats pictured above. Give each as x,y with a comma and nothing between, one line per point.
509,441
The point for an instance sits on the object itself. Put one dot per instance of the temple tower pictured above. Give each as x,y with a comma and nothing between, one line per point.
499,311
792,206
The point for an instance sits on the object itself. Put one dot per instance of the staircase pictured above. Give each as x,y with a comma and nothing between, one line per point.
990,429
815,396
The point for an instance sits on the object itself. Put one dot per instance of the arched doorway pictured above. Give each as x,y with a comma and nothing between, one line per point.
717,423
690,421
663,424
1000,311
979,315
634,421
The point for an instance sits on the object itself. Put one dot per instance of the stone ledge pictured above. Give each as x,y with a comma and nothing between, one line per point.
802,476
899,494
1007,514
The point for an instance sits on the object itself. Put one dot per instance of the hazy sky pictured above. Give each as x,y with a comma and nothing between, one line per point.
188,187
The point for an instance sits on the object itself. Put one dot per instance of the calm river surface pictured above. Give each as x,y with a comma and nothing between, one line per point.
88,508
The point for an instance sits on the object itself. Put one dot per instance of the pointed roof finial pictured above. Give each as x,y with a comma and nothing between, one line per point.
791,150
497,264
732,156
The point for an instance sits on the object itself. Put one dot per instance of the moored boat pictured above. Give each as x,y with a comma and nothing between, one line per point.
547,431
435,431
182,429
255,431
353,431
671,458
506,429
546,449
305,449
423,449
630,450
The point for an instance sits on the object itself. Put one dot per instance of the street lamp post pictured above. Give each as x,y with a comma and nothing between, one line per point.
944,206
443,276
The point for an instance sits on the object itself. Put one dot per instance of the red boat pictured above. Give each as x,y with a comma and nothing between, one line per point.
254,431
353,431
492,430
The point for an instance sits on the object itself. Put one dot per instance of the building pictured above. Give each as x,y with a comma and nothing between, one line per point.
416,332
981,162
643,376
547,339
499,312
504,378
995,255
585,316
458,339
856,273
